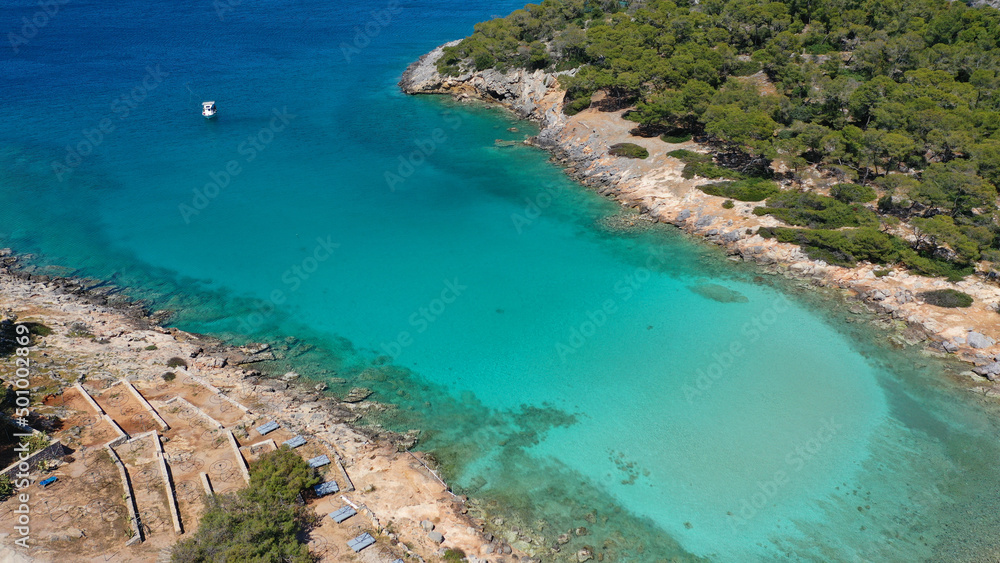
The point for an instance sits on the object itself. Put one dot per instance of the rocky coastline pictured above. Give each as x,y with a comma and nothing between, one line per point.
407,503
655,188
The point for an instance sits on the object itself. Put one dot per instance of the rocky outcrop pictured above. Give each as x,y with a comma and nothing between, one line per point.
517,89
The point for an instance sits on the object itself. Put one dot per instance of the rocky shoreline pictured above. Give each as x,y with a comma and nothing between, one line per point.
656,188
126,339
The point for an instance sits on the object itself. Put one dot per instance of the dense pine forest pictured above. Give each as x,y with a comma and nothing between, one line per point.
878,120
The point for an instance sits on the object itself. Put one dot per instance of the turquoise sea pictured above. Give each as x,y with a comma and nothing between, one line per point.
566,373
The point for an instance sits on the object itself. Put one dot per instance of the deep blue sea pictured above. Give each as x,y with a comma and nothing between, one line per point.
564,372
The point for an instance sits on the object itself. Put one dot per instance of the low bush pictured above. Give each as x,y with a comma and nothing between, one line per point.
453,555
628,150
176,362
728,204
846,247
852,193
573,107
685,155
816,211
38,329
701,164
151,347
262,522
78,329
674,139
950,298
750,189
169,376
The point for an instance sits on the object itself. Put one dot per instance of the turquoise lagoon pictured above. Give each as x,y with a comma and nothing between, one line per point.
565,372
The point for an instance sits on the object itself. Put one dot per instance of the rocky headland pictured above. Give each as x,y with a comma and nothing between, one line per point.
656,188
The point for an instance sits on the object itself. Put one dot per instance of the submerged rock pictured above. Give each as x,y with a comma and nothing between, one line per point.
357,395
719,293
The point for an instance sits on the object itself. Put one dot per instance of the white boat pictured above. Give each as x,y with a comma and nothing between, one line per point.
208,109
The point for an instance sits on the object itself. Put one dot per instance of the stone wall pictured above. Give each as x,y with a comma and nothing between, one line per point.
52,451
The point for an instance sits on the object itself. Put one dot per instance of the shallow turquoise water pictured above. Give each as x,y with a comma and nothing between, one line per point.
578,374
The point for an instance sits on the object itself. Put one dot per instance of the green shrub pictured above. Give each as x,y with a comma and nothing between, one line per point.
78,329
882,273
852,193
628,150
701,164
37,442
169,376
259,523
674,139
38,329
846,247
453,555
176,362
750,189
151,347
6,487
728,204
816,211
708,170
687,156
950,298
744,68
573,107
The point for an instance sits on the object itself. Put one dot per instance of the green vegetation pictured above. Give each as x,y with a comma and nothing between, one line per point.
38,329
852,193
897,100
151,347
628,150
816,211
37,442
79,330
453,555
846,247
950,298
728,204
674,139
176,362
6,487
576,105
701,164
260,523
750,189
169,376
